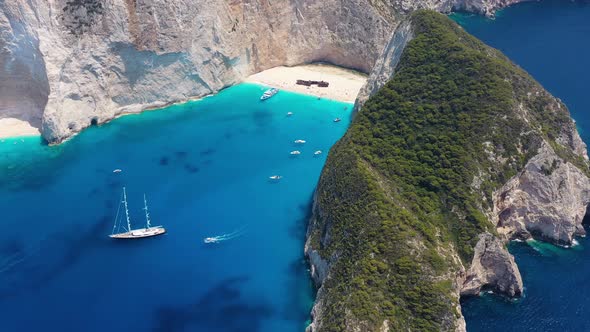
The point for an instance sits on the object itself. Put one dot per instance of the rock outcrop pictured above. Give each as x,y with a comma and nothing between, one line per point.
494,267
547,199
66,64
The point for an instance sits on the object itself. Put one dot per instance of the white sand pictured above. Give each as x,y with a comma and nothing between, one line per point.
10,127
344,84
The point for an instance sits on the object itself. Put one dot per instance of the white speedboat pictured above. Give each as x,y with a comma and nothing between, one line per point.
275,177
117,171
269,93
289,113
137,233
337,120
210,240
318,152
296,152
299,141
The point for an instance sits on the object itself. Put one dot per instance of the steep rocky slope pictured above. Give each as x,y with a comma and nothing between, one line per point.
66,64
454,151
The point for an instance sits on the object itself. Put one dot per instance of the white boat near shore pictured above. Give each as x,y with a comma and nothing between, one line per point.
269,93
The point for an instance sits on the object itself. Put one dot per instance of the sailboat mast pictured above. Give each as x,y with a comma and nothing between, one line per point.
126,210
147,214
117,216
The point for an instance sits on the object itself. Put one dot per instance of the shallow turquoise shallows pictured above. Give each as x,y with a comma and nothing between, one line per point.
205,168
551,40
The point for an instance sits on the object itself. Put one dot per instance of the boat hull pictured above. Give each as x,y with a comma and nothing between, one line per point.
139,233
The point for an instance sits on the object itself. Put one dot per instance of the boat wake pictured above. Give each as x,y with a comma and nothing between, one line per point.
224,237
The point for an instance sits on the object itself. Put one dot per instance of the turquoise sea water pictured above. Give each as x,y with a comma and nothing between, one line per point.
551,40
204,166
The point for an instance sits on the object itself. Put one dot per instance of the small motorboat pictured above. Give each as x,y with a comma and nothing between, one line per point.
337,120
296,152
117,170
289,113
318,152
210,240
275,177
269,93
299,141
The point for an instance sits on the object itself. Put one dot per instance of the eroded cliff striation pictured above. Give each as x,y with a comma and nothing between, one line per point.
453,152
66,64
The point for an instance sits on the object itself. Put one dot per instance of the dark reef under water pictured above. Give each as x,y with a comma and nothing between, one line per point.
205,168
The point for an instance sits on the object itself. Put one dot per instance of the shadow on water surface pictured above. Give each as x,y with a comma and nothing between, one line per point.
300,293
298,279
299,228
221,308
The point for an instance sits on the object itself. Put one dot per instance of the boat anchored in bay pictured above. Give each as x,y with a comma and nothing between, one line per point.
138,233
269,93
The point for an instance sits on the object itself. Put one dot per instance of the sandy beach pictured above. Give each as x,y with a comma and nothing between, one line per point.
344,83
344,86
10,127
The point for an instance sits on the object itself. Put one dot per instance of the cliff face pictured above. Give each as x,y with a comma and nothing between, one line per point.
71,63
454,150
547,199
66,64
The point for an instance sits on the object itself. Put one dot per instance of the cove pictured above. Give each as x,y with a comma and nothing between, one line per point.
549,39
204,166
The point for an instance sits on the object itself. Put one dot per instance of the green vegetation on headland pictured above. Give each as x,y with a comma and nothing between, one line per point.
404,194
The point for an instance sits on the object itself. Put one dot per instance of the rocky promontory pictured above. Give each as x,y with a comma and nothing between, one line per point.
453,151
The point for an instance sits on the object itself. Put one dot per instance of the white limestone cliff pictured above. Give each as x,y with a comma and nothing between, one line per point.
67,64
492,266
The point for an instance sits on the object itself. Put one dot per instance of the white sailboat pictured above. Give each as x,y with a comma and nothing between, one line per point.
129,233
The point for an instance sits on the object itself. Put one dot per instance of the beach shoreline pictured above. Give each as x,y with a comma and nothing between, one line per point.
15,128
345,84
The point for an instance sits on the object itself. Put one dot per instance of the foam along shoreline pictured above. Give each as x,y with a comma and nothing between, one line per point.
344,83
344,86
11,128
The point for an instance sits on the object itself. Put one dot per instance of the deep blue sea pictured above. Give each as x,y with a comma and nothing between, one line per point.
551,40
205,167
